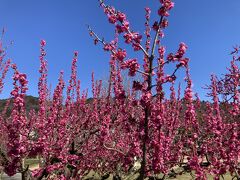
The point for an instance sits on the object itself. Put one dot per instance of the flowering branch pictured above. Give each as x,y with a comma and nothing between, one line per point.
124,24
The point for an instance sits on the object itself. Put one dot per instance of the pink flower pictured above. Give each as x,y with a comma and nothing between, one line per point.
43,43
169,78
155,26
183,62
121,16
108,47
112,19
163,12
132,65
120,29
164,23
182,50
75,53
146,97
171,57
120,55
167,5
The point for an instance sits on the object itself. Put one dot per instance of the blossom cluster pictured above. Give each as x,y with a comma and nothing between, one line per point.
121,125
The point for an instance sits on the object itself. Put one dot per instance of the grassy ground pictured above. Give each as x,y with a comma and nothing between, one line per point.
185,176
34,164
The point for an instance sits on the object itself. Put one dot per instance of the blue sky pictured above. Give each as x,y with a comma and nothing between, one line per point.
209,27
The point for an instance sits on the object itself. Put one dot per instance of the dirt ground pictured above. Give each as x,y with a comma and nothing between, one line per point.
94,176
186,176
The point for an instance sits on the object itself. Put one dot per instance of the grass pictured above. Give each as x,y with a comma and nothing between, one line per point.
34,164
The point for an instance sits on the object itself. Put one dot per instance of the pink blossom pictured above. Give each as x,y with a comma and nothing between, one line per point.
43,43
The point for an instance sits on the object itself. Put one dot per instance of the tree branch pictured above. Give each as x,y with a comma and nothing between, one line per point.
113,149
128,30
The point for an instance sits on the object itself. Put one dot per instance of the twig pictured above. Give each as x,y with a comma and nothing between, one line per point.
141,47
99,39
156,36
162,64
113,149
142,72
104,43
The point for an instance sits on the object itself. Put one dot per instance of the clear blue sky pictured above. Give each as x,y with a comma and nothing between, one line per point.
209,27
